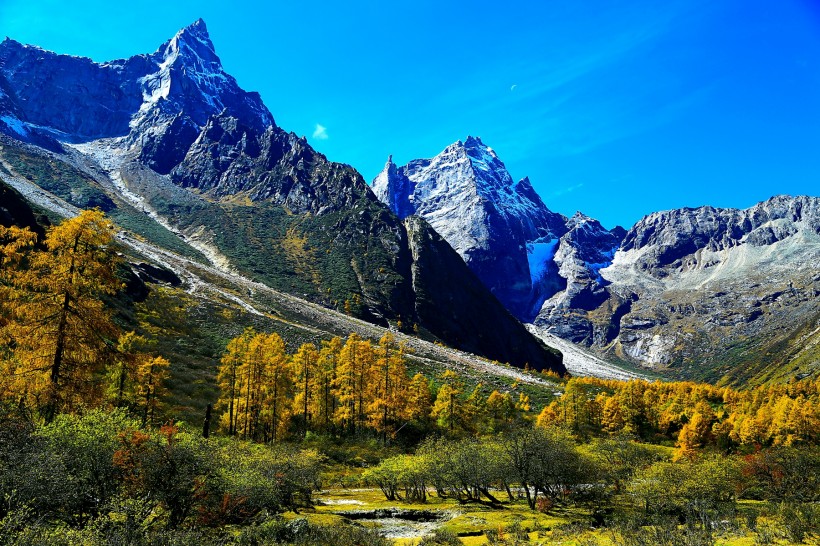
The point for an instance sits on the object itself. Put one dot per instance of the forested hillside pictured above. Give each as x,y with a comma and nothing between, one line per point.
92,450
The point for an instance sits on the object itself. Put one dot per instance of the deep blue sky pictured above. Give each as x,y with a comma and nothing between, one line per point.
614,110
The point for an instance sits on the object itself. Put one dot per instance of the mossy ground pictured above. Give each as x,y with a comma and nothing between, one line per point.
513,523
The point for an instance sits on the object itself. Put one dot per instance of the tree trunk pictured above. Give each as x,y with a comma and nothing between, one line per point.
59,348
206,426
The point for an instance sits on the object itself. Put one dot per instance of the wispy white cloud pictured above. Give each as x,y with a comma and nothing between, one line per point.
567,189
320,133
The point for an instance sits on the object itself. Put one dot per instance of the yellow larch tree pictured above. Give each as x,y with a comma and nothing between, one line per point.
15,244
253,376
419,399
61,328
500,409
352,383
122,375
448,407
151,374
278,388
388,400
306,369
228,378
325,400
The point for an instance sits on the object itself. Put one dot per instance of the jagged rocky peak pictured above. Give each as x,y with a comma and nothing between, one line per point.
469,197
394,189
465,173
592,242
190,77
665,238
194,42
77,99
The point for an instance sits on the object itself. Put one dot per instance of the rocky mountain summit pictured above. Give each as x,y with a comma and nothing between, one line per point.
698,281
526,254
172,135
679,290
468,196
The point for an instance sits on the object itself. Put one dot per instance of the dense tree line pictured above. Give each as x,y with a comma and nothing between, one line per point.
695,415
347,388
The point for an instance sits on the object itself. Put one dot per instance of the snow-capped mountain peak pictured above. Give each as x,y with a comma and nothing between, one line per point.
189,75
181,83
467,194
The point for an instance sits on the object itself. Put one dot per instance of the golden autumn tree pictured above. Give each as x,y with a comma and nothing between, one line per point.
58,322
325,400
419,399
803,423
278,387
151,374
549,416
694,435
306,370
448,407
122,375
501,410
15,244
228,377
252,375
611,419
352,375
388,400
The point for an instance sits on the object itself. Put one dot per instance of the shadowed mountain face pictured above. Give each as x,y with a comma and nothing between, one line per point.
15,211
175,136
689,289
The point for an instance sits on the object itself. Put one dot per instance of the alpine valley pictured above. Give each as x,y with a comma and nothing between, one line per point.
211,194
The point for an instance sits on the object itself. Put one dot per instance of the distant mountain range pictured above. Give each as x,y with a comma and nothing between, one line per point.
170,139
707,293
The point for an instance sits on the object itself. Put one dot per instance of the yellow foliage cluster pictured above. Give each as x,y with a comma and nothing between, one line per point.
346,386
694,414
60,349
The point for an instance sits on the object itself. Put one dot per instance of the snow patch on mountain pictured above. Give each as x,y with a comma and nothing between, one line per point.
596,267
15,125
539,254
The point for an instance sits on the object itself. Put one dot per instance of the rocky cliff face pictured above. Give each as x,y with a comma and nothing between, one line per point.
462,293
679,240
706,280
580,255
468,196
178,138
15,211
